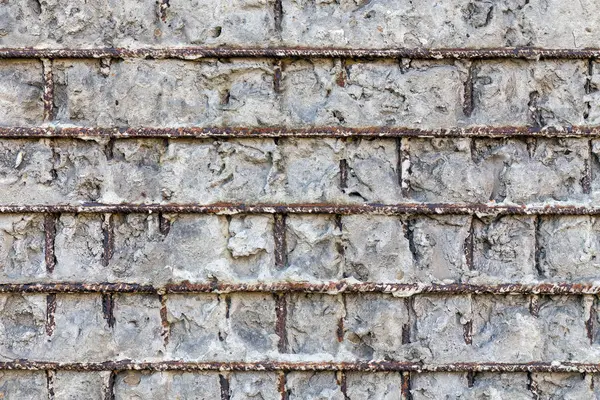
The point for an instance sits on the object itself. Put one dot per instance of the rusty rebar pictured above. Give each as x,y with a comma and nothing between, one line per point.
108,309
50,221
533,387
109,393
590,306
587,177
281,385
164,319
48,89
494,209
50,313
405,388
50,383
333,288
407,327
108,239
471,379
468,332
468,89
225,387
362,366
198,132
281,322
198,52
280,240
342,381
162,6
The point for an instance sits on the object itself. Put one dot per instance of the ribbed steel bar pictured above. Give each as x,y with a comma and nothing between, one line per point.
48,91
191,53
320,208
336,287
365,366
315,132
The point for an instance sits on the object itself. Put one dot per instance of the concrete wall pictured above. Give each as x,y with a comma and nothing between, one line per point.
426,227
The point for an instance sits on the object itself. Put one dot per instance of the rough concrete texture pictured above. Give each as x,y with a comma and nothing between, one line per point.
457,23
205,327
485,386
251,327
505,328
27,164
308,314
166,385
375,248
22,248
200,239
162,248
253,385
378,24
374,386
522,171
159,249
64,23
247,92
591,98
568,248
313,386
217,22
370,161
372,94
242,93
21,92
312,169
211,92
22,326
110,23
372,326
305,385
136,320
80,324
77,259
437,247
504,249
70,385
555,92
481,170
438,328
23,385
432,249
313,248
235,248
565,386
197,324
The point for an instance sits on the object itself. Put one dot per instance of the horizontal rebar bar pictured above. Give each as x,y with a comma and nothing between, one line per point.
316,132
366,366
398,289
191,53
320,208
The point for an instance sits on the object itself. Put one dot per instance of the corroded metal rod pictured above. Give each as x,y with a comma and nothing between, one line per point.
398,289
192,53
192,132
365,366
316,208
